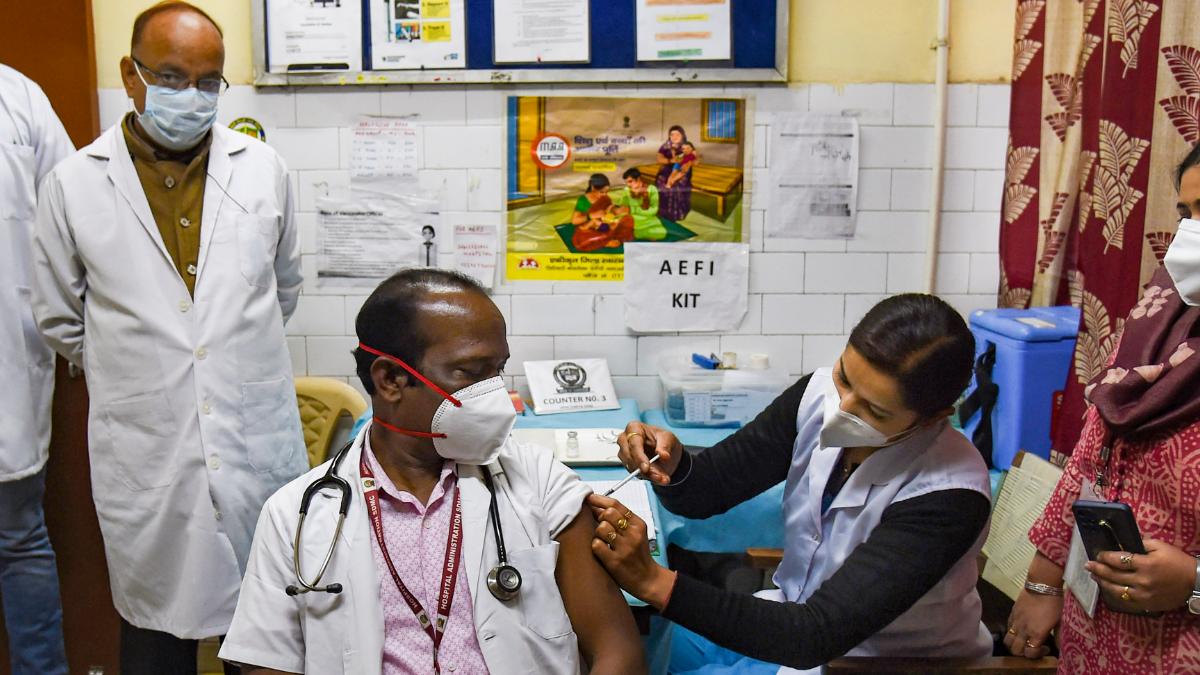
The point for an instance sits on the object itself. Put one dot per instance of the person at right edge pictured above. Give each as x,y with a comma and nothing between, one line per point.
1140,445
885,509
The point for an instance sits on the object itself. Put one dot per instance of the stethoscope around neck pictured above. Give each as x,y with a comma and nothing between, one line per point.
503,581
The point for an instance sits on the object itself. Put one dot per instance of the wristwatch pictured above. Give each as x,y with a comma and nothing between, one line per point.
1193,603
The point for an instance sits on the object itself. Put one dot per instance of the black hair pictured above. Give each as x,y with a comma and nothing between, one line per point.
688,143
597,181
1191,161
430,228
139,24
676,127
924,344
390,320
633,173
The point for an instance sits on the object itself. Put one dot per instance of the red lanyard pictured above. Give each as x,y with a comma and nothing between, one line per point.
449,568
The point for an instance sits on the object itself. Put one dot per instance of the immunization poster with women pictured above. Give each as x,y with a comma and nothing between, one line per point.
588,175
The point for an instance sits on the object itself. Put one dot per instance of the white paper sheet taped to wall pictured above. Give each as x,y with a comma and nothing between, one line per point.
813,177
475,248
313,35
686,287
542,31
385,149
364,237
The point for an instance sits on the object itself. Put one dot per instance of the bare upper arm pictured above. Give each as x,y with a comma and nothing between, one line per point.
608,636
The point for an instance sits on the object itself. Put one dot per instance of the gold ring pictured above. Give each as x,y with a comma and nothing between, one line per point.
622,524
1029,645
632,434
1127,561
1012,631
628,515
1124,593
612,537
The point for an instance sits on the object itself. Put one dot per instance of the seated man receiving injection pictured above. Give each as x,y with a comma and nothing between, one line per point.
461,551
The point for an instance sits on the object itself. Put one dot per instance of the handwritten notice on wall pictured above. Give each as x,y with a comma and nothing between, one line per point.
475,252
385,148
814,177
686,287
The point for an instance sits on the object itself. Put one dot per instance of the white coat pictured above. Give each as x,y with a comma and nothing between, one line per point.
32,141
193,420
945,622
325,634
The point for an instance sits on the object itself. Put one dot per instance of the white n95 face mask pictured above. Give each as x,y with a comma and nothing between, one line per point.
840,429
474,431
471,425
1183,261
177,118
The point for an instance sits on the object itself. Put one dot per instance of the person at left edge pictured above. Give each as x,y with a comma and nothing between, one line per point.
166,262
431,352
32,141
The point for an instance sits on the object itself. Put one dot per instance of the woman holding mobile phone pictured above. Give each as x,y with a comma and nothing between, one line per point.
1140,445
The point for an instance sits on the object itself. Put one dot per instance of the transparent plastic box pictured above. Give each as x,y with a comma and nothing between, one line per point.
698,397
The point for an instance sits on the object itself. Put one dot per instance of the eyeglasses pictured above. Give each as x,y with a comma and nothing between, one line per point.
208,85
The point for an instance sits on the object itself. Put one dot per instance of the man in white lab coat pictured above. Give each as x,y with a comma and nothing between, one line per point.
32,141
166,262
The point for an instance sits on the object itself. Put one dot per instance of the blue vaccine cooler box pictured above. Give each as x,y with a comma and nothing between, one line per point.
1034,350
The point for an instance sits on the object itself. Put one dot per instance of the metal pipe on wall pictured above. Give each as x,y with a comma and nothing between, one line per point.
942,45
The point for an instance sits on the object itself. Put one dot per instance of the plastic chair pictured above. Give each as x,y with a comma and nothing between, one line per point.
327,406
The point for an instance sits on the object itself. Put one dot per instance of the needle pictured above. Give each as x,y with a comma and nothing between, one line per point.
628,478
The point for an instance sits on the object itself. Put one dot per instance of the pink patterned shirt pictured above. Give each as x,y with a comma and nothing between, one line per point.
416,540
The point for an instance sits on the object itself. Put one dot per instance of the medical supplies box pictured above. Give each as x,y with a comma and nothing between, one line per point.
1033,351
700,397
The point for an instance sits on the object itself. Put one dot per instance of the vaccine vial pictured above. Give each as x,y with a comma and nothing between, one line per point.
572,444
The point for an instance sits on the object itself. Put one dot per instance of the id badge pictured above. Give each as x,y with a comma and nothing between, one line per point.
1075,576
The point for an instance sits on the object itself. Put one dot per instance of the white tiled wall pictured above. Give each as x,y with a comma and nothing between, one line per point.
805,296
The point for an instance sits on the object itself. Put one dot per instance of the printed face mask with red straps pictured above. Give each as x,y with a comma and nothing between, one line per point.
471,425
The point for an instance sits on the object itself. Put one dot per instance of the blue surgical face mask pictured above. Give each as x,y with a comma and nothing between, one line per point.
177,118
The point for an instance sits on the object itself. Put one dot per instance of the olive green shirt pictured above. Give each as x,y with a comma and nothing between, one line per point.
174,187
646,225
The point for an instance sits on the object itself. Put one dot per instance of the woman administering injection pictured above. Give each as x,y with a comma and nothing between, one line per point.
883,508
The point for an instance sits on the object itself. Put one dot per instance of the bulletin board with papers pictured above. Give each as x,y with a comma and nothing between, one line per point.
375,42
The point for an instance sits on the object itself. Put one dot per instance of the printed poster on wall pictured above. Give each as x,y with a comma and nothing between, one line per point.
364,237
677,287
542,31
416,34
313,35
814,177
589,175
683,30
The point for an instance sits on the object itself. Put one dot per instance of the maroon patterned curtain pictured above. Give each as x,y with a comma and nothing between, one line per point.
1105,103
